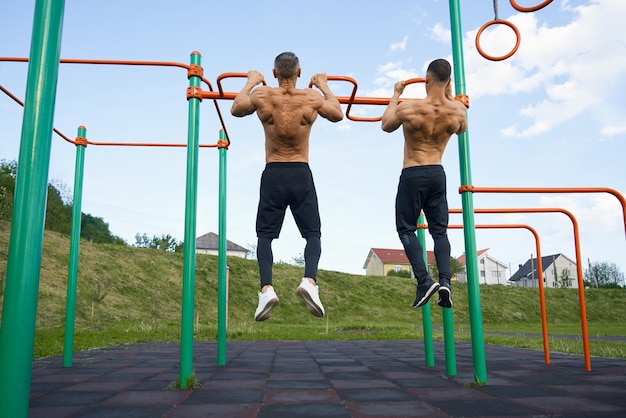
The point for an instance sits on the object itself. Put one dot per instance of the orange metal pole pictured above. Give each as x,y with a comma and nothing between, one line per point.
105,62
198,71
87,142
542,299
618,195
581,284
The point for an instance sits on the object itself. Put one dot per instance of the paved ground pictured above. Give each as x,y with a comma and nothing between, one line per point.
325,379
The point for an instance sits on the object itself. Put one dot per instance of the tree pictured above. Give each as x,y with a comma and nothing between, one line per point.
564,281
8,171
96,230
58,214
400,273
455,268
58,208
164,243
604,274
298,260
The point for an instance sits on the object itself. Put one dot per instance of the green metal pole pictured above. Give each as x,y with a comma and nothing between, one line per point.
448,338
473,288
17,333
189,247
429,351
221,260
72,274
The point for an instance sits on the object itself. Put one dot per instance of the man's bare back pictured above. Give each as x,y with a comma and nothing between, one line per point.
287,114
427,123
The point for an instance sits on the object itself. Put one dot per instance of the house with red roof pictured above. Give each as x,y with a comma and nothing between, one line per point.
381,261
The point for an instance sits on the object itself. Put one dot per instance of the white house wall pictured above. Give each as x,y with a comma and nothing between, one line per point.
490,271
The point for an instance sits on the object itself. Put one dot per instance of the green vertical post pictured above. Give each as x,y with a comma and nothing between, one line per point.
473,288
72,271
448,338
189,247
429,351
221,259
17,333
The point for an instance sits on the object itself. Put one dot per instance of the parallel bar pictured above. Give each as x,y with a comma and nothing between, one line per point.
546,349
579,264
614,192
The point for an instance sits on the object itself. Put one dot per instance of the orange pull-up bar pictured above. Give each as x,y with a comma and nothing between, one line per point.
349,100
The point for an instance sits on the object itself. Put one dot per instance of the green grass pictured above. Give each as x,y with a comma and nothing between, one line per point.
128,295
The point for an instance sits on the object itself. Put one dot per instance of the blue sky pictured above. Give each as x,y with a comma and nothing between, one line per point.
550,116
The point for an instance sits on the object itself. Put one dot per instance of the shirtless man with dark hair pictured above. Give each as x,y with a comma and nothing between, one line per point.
287,115
428,125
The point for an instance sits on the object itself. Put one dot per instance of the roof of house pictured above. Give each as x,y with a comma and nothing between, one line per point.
461,258
210,242
531,267
391,256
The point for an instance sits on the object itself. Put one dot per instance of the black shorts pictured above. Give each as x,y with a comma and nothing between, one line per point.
287,185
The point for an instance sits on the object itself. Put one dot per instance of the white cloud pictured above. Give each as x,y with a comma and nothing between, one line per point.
597,212
441,34
399,46
572,68
611,131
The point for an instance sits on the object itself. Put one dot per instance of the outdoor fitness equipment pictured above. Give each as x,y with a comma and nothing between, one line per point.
498,21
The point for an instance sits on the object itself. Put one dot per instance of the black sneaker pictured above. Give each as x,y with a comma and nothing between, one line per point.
445,297
424,292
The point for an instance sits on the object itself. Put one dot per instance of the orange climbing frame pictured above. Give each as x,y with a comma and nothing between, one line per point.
618,195
482,52
579,263
497,21
529,8
542,299
192,70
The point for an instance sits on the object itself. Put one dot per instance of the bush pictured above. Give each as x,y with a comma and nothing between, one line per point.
399,273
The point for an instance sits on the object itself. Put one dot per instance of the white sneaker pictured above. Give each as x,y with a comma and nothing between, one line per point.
267,300
310,294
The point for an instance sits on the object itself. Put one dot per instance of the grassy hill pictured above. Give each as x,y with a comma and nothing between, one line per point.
128,294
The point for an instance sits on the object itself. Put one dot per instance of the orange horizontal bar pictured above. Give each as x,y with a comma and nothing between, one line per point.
105,62
618,195
146,144
87,142
353,99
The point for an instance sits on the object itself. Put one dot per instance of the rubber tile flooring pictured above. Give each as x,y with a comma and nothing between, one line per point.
325,379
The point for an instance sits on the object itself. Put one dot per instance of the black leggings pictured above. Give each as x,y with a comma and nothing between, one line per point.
287,185
265,257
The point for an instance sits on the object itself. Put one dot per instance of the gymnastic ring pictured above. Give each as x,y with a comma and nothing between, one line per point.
495,22
530,8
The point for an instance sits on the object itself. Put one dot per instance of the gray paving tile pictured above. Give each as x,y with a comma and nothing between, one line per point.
324,378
